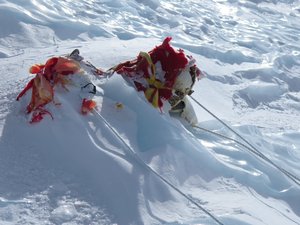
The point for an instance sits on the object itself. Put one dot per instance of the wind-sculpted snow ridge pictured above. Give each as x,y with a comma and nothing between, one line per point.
74,170
249,26
237,42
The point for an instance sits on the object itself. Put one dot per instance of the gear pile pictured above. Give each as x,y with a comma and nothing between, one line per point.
165,75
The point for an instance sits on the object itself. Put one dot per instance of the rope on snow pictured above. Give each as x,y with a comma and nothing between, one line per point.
141,161
247,146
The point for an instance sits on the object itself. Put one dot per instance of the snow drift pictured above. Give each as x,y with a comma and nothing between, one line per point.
74,170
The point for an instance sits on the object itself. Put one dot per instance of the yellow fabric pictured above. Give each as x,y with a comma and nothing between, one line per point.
146,56
44,88
151,95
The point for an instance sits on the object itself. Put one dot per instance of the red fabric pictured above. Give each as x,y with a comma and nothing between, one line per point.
42,93
87,106
172,62
28,86
38,115
42,85
127,68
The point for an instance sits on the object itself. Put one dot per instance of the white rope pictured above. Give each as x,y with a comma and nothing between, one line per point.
140,160
249,146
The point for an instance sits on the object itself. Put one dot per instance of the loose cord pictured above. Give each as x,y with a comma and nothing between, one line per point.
250,147
136,156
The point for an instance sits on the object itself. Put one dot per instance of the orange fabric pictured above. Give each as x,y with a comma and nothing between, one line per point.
36,68
42,93
87,106
47,76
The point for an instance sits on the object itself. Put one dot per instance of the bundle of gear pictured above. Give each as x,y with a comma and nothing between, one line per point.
165,76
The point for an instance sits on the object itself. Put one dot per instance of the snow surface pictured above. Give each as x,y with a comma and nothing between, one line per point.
74,170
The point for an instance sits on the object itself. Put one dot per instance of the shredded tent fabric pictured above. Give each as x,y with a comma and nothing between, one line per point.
48,75
156,72
164,74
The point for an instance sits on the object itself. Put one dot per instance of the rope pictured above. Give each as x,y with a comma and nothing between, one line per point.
136,156
249,146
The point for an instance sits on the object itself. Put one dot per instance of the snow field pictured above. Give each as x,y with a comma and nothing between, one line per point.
73,170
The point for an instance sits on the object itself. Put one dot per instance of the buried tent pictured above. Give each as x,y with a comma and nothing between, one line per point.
164,74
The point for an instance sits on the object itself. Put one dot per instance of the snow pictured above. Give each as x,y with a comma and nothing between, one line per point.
75,170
